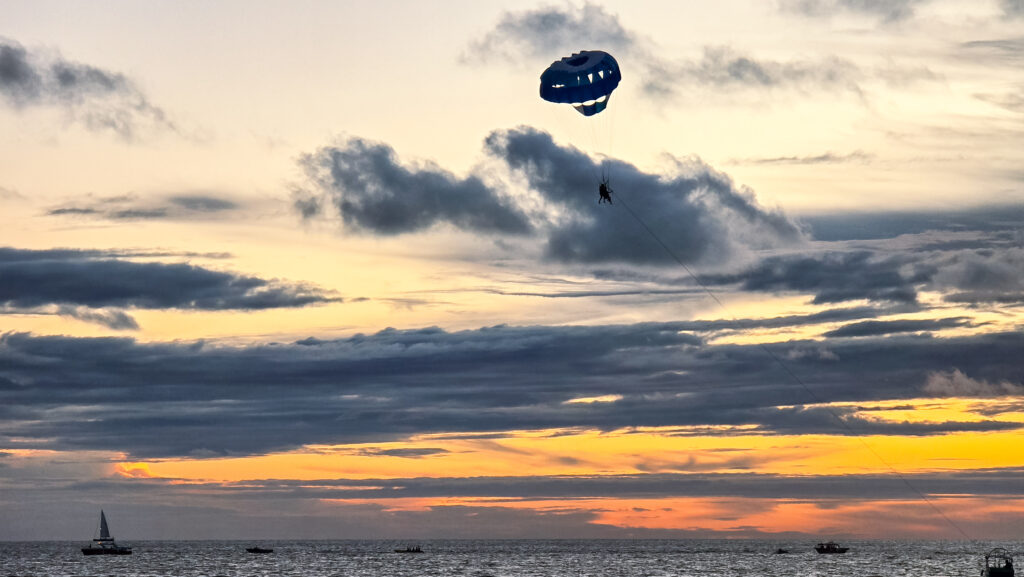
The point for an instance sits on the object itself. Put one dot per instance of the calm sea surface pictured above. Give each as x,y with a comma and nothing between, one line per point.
611,558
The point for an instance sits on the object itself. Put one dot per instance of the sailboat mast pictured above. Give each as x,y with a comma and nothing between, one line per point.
104,531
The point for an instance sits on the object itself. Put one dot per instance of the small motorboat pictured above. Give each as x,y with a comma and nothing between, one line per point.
105,544
831,547
998,563
410,549
258,550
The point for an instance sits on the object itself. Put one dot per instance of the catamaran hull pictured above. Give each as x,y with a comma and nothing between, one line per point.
103,551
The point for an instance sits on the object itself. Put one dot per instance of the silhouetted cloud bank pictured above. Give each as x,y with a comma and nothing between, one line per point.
60,392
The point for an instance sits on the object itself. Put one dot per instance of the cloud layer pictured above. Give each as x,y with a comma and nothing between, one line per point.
82,284
194,399
194,206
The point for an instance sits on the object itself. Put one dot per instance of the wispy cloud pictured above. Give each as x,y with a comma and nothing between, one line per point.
885,10
542,32
956,384
1012,101
551,32
112,319
997,52
856,156
875,328
10,194
1012,8
99,99
86,284
189,206
723,68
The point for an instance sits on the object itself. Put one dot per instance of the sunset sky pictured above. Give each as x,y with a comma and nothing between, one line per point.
335,270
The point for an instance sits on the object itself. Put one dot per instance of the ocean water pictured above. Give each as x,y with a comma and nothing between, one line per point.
503,558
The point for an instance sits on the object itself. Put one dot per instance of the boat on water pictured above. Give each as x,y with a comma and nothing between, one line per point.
781,551
105,544
411,549
998,563
258,549
830,547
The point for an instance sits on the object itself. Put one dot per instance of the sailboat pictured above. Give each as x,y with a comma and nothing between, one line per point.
105,544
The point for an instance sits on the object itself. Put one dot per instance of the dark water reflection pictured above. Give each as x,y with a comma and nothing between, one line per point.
503,558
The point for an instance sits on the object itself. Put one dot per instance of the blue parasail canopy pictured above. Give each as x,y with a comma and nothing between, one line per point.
585,80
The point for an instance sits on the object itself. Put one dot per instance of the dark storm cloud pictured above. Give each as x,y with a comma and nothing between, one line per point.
194,206
882,225
983,276
173,399
979,270
832,278
876,328
694,212
373,192
887,10
38,278
99,99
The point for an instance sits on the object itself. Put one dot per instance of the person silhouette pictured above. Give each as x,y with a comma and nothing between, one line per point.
605,191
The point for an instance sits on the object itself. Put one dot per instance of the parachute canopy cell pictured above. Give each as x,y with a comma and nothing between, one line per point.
585,80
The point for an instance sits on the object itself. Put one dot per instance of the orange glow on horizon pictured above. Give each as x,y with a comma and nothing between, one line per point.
637,451
852,518
133,470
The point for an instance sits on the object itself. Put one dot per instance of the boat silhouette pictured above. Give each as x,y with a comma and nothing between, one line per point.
830,547
105,544
998,563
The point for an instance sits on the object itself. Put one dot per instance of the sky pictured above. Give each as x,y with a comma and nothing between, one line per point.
335,270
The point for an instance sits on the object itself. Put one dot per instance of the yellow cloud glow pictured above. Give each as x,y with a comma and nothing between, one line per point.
641,450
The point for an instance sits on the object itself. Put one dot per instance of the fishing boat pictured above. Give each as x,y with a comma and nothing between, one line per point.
258,549
830,547
105,544
998,563
411,549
